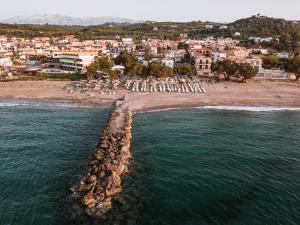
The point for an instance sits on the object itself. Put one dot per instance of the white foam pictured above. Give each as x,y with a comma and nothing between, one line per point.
36,104
160,110
232,108
250,108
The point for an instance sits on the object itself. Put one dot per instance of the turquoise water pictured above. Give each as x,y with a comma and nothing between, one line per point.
192,167
44,147
200,166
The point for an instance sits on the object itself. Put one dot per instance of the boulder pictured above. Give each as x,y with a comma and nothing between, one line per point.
88,199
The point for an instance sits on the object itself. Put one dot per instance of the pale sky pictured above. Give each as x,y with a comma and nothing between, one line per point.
157,10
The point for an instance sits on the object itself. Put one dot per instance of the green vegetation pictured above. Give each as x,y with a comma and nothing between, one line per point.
246,71
15,58
158,70
184,69
102,64
287,32
233,69
290,65
129,61
272,61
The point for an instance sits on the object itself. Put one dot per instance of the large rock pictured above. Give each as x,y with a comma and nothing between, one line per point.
88,200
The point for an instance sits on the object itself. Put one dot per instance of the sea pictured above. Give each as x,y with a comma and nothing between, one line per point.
199,166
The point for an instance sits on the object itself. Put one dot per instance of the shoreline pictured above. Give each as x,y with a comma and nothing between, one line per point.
211,106
254,108
255,93
100,103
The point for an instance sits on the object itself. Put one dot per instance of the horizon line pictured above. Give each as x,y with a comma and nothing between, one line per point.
144,20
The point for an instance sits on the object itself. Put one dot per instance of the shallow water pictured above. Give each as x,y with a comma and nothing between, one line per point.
195,166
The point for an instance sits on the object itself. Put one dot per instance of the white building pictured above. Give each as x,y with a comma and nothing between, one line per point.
255,62
177,55
5,62
283,55
127,41
168,62
218,56
237,34
209,26
223,27
272,75
77,61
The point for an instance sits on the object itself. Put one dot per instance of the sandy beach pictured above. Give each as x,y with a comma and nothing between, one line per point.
254,93
50,90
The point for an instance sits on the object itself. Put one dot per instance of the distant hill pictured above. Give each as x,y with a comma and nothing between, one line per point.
288,32
66,20
259,26
265,26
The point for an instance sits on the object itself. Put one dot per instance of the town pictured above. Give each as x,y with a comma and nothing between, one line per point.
149,112
152,65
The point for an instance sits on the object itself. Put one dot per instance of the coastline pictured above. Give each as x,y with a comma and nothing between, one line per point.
254,93
101,184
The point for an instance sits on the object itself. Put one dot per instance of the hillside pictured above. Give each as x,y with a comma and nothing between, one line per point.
287,31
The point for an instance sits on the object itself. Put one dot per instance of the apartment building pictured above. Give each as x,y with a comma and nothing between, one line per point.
255,62
202,64
218,56
77,61
5,61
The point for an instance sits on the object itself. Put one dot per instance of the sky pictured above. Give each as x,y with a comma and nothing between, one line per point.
155,10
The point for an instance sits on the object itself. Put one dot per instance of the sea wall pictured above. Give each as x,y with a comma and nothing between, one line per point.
103,178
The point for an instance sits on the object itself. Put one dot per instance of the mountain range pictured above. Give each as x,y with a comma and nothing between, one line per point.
66,20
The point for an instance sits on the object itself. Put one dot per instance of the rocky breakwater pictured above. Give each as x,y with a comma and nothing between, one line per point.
103,178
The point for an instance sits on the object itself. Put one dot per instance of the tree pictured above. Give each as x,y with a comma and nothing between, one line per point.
158,70
270,62
182,45
160,50
231,68
294,67
92,70
227,67
147,56
132,67
184,69
247,71
102,64
113,74
187,58
125,58
15,58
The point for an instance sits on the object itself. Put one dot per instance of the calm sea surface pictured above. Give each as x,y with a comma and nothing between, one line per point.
194,166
